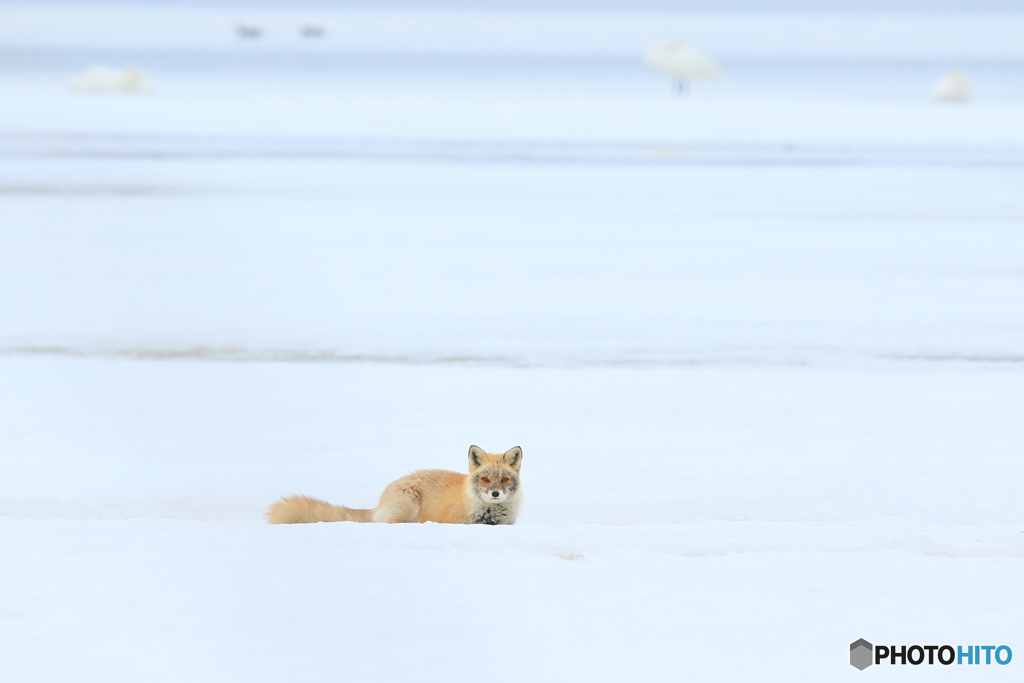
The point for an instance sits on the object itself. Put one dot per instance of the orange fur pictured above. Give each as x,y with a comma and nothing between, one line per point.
489,494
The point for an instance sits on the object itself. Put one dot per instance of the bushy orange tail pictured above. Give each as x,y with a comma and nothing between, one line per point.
305,510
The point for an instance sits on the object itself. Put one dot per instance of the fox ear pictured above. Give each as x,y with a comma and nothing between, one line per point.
514,458
477,457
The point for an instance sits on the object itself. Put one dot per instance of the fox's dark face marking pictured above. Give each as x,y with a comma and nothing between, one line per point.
494,484
493,480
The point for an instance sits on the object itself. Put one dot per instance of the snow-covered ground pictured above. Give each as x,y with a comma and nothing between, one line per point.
762,344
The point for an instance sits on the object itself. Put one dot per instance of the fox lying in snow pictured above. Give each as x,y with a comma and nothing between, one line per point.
489,494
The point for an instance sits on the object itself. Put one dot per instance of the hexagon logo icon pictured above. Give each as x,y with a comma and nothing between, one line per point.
861,652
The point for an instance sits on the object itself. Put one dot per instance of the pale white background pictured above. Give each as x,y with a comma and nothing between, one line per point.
762,344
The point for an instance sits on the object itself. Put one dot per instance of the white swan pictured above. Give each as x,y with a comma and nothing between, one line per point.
248,31
100,78
680,61
953,87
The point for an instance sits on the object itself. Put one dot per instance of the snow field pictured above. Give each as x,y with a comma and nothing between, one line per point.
673,518
175,600
109,439
514,264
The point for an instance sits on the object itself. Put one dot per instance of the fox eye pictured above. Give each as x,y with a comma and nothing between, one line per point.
485,480
504,480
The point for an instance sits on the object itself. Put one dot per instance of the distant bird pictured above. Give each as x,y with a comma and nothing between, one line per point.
953,87
312,31
681,62
248,31
100,78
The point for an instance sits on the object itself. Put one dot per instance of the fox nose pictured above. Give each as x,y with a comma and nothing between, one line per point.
495,494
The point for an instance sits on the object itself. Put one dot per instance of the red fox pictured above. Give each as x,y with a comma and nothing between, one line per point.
489,494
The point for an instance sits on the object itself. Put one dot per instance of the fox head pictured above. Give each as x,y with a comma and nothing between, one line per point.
494,478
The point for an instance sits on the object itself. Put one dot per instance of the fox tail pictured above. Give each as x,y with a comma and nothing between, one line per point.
304,510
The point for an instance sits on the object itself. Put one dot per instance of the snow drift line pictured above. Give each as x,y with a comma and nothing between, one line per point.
502,151
789,357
